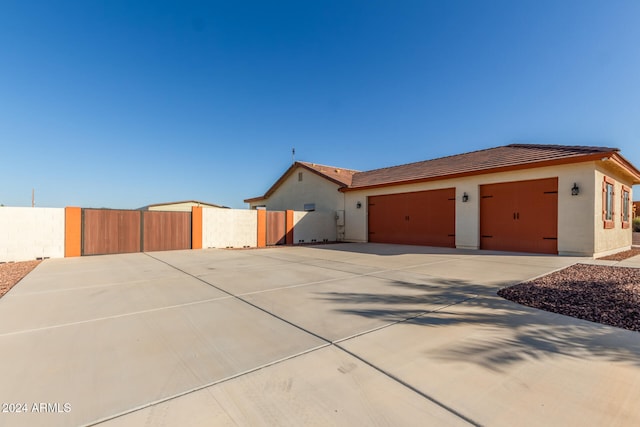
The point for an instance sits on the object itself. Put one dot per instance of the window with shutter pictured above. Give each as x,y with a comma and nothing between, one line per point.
626,206
608,187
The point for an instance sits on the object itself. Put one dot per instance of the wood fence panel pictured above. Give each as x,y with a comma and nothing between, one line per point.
276,230
110,231
166,231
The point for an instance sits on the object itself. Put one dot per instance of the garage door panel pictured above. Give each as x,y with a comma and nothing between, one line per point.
387,222
432,217
520,216
497,225
419,218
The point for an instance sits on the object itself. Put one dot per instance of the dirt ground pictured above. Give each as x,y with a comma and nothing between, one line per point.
12,272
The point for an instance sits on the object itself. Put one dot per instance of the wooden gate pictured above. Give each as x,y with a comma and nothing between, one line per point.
110,231
166,231
276,228
113,231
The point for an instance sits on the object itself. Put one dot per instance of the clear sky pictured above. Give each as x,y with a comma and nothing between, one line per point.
126,103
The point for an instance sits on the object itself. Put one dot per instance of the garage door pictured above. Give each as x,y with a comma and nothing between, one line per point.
420,218
520,216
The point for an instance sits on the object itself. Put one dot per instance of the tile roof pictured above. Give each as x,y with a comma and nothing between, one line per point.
482,161
498,159
338,175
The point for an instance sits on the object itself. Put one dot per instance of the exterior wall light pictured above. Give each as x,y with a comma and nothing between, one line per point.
358,205
465,198
575,190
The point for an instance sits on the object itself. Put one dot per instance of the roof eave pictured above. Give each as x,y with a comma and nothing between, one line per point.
633,172
255,199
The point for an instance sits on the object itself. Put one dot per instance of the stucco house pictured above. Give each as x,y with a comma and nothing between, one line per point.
306,187
567,200
183,206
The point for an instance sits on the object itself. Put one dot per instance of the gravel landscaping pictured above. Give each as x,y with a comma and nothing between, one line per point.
620,256
12,272
602,294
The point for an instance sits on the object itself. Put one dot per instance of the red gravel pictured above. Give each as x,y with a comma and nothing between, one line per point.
622,255
12,272
598,293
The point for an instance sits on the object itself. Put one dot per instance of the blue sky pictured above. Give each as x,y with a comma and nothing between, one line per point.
125,103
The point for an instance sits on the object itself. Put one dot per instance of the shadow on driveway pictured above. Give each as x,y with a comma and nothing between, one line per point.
389,249
518,333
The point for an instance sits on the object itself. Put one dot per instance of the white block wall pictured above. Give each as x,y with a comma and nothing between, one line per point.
30,233
318,226
223,228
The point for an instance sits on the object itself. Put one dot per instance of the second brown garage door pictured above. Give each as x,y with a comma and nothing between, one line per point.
420,218
520,216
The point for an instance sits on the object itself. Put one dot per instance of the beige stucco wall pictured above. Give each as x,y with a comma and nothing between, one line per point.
179,207
293,194
575,213
30,233
311,227
617,238
224,228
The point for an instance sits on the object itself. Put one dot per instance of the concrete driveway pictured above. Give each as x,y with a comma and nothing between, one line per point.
347,334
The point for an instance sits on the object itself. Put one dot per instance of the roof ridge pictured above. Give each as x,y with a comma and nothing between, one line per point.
563,146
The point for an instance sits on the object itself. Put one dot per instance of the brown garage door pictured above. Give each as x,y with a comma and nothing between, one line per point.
419,218
520,216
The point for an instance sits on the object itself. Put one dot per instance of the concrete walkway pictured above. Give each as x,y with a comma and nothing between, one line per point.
350,334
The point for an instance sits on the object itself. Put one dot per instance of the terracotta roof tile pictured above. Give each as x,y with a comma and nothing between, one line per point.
339,175
508,157
513,155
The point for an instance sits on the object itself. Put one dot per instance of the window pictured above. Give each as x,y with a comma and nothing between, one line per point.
626,206
299,176
607,202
